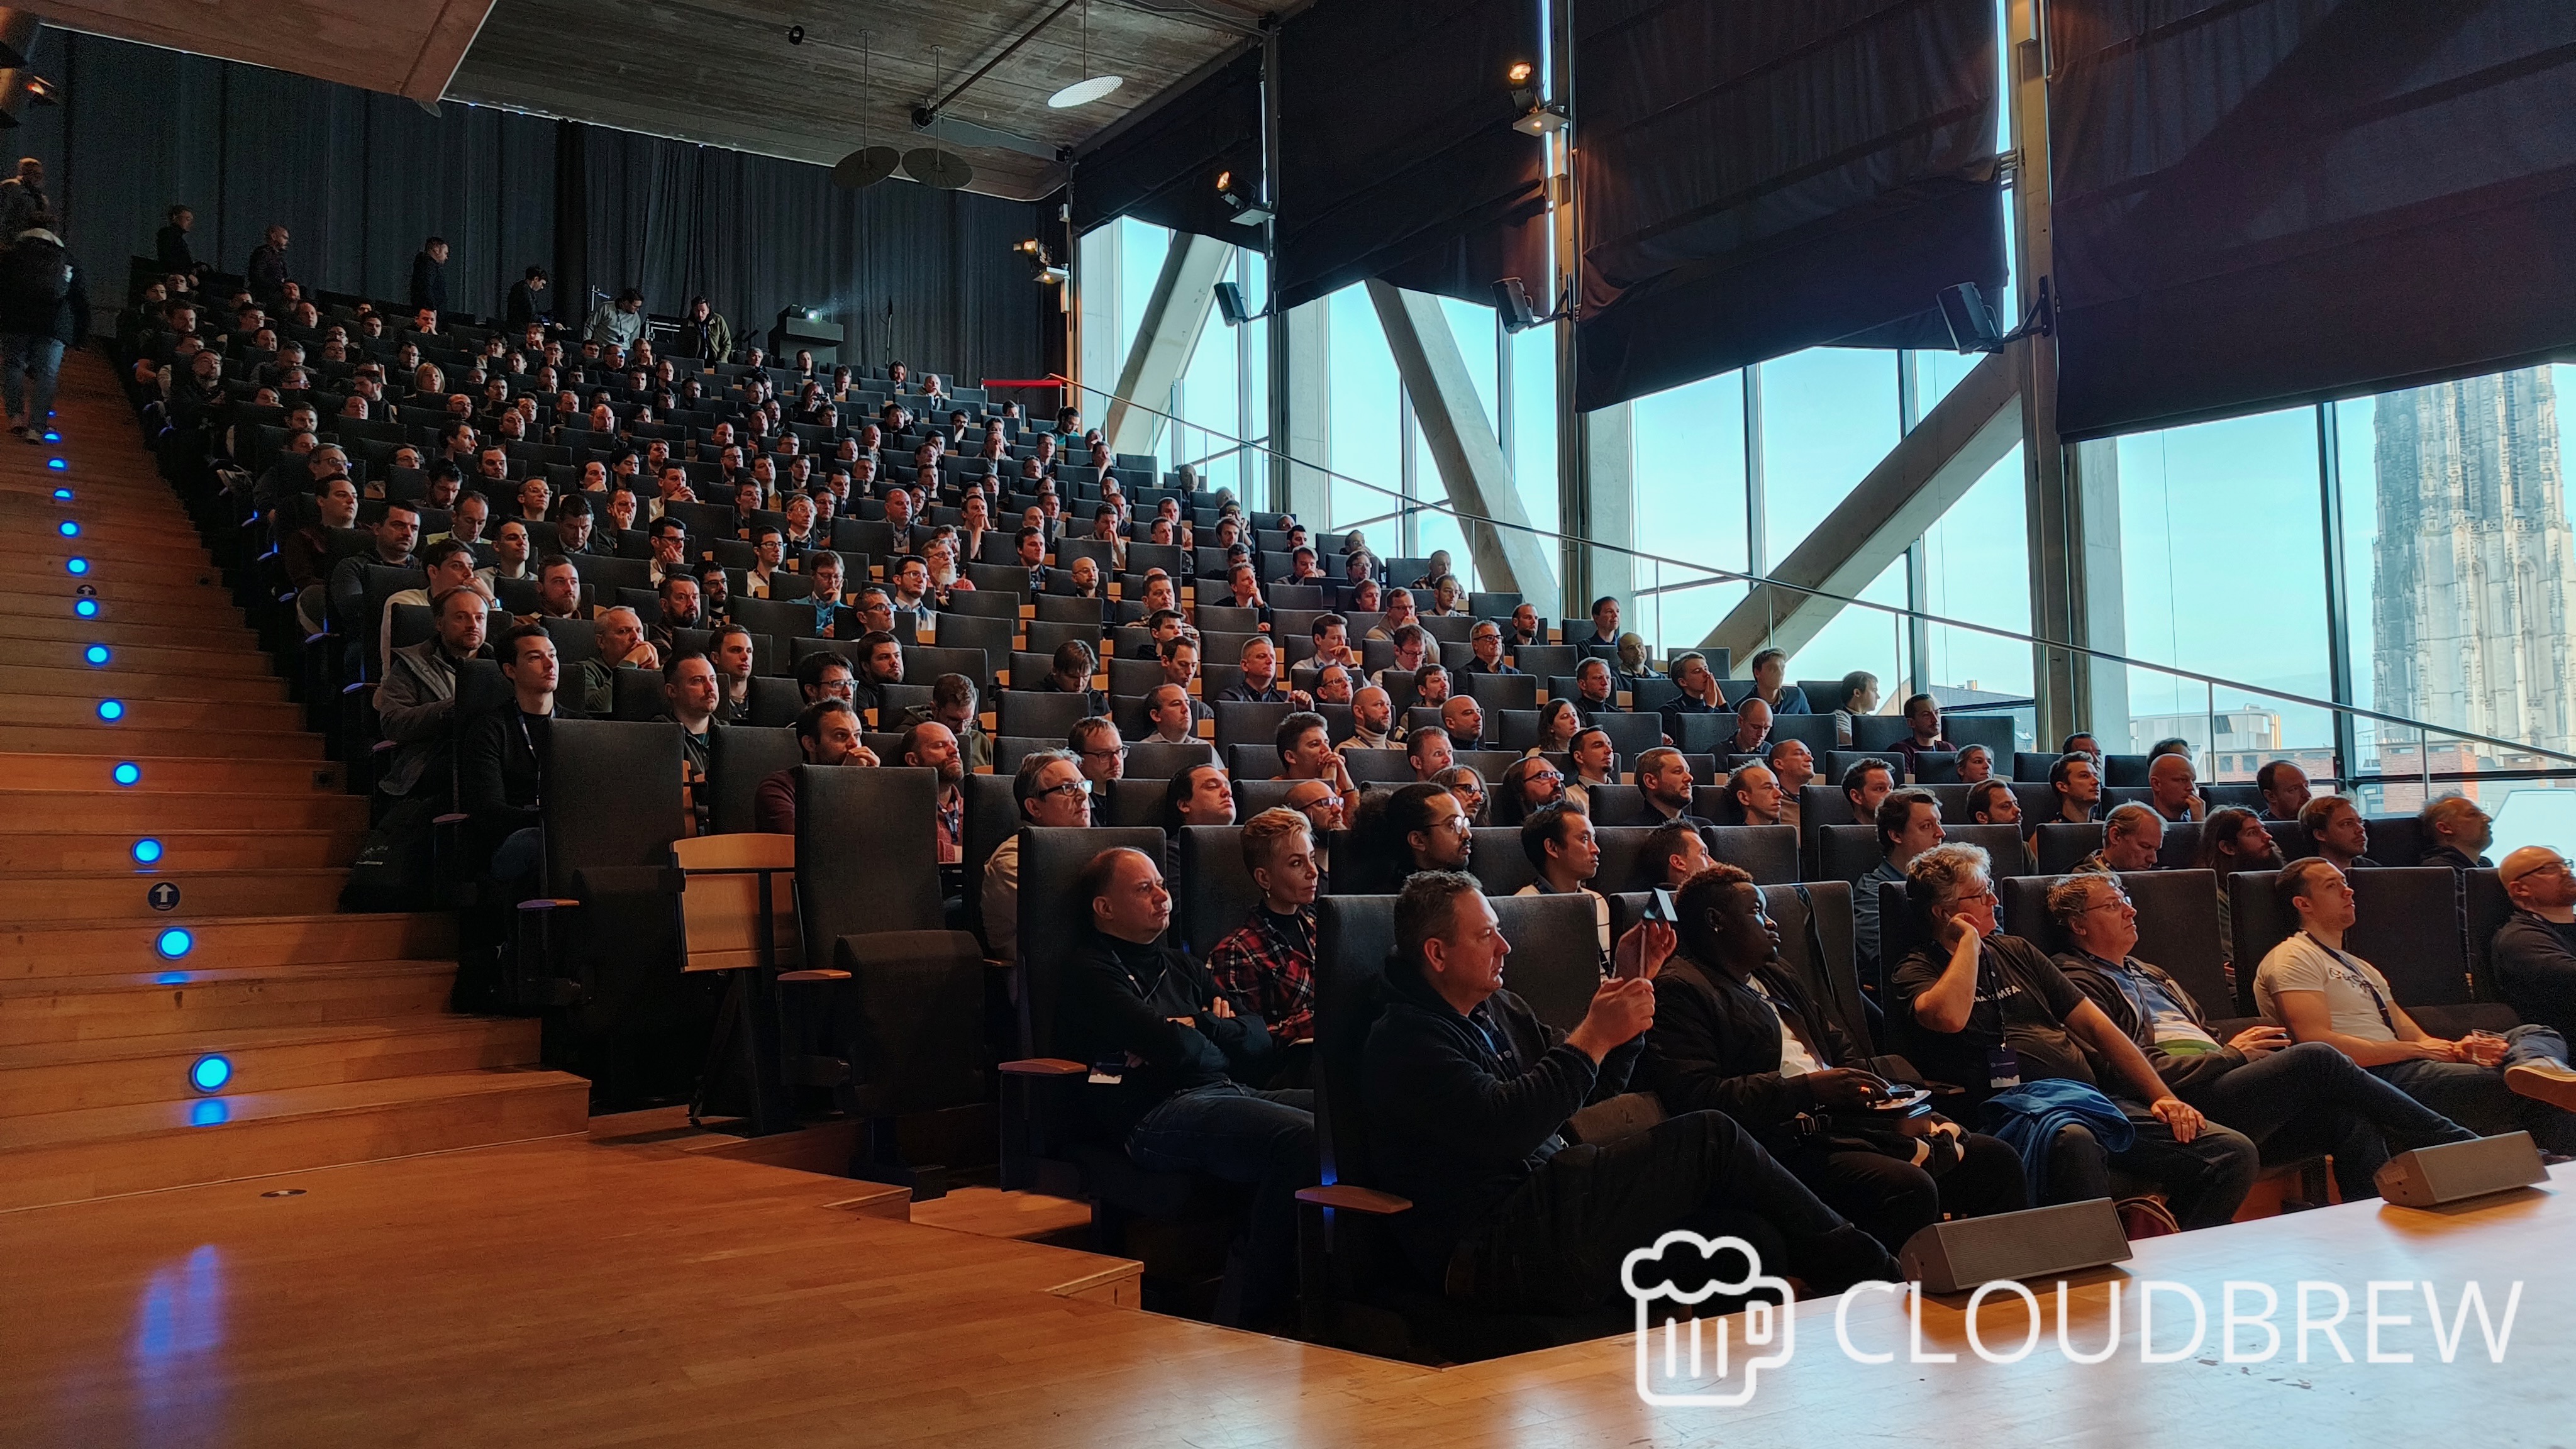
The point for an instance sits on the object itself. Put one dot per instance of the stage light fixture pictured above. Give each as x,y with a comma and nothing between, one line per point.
1512,304
1241,199
1229,305
1972,322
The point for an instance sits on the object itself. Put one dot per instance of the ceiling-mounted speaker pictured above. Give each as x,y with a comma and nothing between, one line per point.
937,169
866,167
17,36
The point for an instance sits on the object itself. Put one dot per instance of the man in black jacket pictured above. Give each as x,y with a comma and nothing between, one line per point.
2535,949
504,758
429,276
171,248
529,303
1469,1096
1170,1058
1735,1032
2293,1099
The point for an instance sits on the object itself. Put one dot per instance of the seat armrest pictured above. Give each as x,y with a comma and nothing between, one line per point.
1357,1199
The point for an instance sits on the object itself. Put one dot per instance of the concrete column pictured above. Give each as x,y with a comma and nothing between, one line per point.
1462,445
1609,511
2104,591
1095,311
1301,393
1175,315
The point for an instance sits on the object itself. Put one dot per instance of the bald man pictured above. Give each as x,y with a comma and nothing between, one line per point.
2535,949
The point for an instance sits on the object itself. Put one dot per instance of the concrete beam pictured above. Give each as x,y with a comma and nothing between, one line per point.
1470,458
1929,470
1165,337
1301,399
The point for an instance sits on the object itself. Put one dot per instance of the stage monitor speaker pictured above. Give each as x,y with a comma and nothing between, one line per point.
2049,1242
2431,1176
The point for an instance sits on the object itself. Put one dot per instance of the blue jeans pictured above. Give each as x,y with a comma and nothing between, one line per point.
2310,1098
519,855
2477,1098
40,360
1236,1133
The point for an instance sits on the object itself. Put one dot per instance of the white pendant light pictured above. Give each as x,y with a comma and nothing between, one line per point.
1091,87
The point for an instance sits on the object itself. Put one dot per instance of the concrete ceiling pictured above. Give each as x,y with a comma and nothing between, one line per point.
405,49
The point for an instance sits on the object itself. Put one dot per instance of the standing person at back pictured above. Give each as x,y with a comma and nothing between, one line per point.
22,197
429,276
44,308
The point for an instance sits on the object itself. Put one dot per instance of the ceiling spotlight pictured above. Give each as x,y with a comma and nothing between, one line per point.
1543,118
796,35
1521,72
1241,200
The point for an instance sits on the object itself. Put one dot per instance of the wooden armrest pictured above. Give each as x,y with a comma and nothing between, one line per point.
453,818
1045,1067
822,973
1357,1199
549,903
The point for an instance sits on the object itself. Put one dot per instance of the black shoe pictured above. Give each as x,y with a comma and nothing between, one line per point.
1835,1261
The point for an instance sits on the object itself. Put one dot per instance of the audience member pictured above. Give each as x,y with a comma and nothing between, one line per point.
1908,823
1095,742
1736,1032
2293,1101
2534,956
2321,992
1865,788
1306,752
928,745
1560,846
1372,721
1756,792
1860,696
1050,792
1428,751
416,703
1923,723
690,694
1770,685
827,733
1699,693
2285,789
1664,779
1268,963
502,757
2336,832
2456,833
2233,840
2132,836
1794,766
2171,789
1988,1013
2077,780
1470,1094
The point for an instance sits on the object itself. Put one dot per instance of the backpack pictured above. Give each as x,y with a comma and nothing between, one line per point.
35,274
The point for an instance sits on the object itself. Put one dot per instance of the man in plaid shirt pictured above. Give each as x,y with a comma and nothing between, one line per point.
1268,964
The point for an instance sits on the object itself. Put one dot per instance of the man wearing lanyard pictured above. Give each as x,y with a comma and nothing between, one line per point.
1988,1012
2311,985
502,766
2294,1099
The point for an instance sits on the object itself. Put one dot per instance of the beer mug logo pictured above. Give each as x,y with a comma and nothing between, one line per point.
1686,1362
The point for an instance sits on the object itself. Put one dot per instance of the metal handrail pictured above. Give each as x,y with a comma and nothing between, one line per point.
1715,575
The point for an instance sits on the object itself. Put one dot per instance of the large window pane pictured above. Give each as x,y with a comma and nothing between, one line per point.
1365,397
2462,580
1976,569
1828,415
1870,639
2223,573
1532,437
1141,246
1688,464
1207,405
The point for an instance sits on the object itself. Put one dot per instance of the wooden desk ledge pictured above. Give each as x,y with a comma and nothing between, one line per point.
1357,1199
1045,1067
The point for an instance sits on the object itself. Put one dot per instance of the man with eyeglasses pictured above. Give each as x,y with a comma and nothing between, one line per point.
1051,793
1094,741
2535,949
2294,1101
1485,640
1530,784
1322,805
1989,1013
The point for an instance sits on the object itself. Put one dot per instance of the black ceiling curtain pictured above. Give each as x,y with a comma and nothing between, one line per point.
1755,178
1163,167
1396,154
2264,202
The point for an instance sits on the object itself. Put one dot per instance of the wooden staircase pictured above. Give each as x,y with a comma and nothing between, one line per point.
335,1027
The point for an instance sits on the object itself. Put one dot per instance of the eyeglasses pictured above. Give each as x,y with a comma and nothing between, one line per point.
1119,753
1070,787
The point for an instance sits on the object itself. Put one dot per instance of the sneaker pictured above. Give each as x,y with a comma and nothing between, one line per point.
2551,1082
29,438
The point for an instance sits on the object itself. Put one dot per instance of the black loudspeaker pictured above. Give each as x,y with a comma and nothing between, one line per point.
2047,1242
2430,1176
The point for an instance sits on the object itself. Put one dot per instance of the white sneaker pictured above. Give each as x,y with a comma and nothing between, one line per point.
2550,1082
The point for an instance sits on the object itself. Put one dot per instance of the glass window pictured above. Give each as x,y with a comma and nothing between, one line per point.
1687,460
1976,569
1531,440
1855,639
1365,398
2461,581
1828,415
1206,400
2200,594
1141,246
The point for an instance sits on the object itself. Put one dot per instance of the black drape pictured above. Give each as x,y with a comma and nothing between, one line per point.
2264,202
361,179
1760,177
1397,156
1162,167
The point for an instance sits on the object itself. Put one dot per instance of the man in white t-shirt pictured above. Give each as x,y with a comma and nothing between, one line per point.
1558,840
2321,992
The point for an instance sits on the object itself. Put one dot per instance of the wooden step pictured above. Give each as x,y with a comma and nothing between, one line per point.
170,810
145,714
209,608
156,595
167,578
114,1007
124,740
220,636
193,774
116,946
201,895
75,1076
84,682
105,1151
136,659
112,851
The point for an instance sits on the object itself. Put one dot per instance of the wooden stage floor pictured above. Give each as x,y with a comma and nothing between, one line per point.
563,1293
